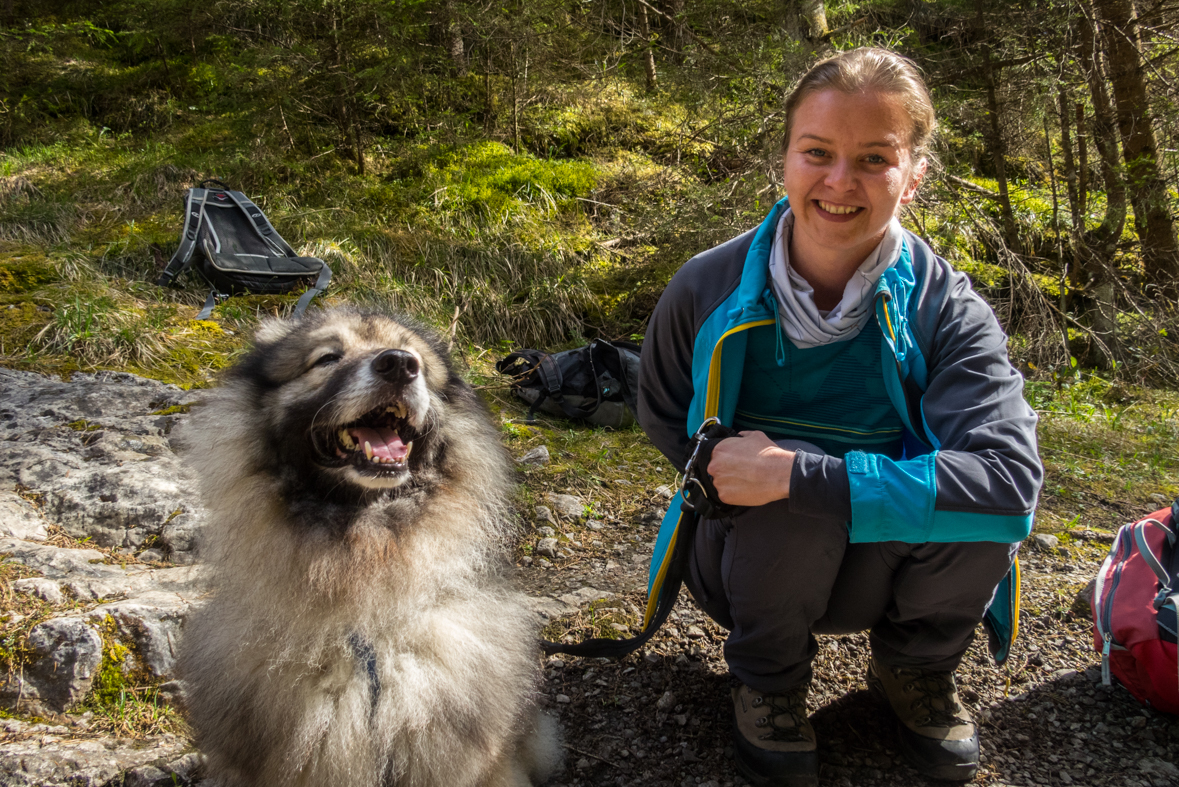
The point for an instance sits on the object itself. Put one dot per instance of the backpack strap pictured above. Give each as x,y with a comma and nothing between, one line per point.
321,283
194,211
262,224
210,302
1152,560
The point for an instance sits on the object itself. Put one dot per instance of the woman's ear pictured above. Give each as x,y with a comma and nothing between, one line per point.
915,179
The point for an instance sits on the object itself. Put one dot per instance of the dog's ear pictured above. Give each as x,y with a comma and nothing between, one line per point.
271,330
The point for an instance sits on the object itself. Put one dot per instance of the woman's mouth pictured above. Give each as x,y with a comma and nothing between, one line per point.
837,212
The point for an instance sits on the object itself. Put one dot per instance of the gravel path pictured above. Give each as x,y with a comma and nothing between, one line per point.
661,716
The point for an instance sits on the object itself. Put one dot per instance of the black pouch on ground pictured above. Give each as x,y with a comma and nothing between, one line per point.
597,382
228,240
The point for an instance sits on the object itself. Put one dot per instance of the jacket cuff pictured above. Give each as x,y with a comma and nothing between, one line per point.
819,487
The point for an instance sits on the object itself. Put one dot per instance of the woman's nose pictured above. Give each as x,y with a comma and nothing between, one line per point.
841,175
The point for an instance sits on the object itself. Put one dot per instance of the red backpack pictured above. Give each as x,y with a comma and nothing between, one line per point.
1134,610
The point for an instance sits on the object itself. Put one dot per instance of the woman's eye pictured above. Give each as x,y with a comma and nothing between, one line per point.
816,152
326,359
875,158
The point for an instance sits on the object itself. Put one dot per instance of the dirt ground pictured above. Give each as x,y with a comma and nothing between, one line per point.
661,716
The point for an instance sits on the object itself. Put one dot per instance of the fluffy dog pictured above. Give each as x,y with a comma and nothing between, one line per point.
360,630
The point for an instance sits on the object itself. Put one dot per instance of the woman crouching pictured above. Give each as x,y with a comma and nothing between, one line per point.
887,457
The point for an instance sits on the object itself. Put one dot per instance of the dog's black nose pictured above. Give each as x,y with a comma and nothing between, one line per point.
396,366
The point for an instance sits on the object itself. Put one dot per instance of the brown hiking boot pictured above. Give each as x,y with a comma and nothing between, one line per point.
773,740
937,735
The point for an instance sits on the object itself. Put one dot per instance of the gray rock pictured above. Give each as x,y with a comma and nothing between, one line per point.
152,555
1083,602
547,547
18,519
567,506
44,589
38,761
1046,542
96,452
546,532
153,628
1158,767
146,776
545,514
665,702
594,524
666,492
536,456
67,654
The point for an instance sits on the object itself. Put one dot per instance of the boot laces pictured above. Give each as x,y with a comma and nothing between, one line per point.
936,695
790,706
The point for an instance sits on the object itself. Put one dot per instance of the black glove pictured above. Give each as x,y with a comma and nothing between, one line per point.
711,506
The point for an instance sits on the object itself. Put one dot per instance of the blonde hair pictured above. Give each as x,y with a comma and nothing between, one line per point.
870,69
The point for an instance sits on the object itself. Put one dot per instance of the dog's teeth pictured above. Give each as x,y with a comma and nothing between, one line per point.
368,449
408,448
346,439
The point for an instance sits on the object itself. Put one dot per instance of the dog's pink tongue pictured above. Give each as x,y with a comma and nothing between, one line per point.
386,443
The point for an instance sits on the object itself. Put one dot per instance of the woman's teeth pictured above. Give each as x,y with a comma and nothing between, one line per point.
838,210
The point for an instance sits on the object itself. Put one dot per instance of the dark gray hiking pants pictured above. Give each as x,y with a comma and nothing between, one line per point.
775,578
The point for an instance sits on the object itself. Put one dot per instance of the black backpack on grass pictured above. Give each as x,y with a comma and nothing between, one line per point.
597,383
229,241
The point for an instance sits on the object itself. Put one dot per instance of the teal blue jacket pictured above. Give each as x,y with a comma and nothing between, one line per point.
970,469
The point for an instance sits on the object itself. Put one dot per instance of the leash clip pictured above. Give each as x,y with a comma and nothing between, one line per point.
690,479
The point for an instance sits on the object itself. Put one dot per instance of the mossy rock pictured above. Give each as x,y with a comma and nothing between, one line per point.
25,272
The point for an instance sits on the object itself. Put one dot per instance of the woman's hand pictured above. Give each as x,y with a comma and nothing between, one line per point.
750,470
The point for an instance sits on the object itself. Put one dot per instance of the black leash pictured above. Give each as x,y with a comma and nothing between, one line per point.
700,501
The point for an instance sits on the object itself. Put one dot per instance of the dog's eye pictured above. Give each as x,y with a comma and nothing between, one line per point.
326,359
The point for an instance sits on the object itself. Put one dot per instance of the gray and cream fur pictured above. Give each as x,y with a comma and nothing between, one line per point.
360,630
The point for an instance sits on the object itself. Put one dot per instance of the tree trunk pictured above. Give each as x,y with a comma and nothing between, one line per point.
994,139
1069,165
453,33
1148,190
815,15
1103,240
648,50
1100,245
1082,163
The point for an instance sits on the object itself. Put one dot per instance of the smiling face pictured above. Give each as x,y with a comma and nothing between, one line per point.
848,169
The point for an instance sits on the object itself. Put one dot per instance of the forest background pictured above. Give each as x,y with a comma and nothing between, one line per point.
532,174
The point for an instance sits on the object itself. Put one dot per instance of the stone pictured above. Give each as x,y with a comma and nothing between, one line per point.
538,456
547,547
1156,766
146,776
67,653
664,491
666,702
18,519
1046,542
595,524
1082,605
545,514
563,699
44,589
152,556
566,506
32,761
546,532
96,453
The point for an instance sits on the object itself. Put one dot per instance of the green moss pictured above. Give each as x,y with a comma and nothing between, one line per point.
175,409
82,425
25,271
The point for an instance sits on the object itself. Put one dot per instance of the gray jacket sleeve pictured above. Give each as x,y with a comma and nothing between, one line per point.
665,368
